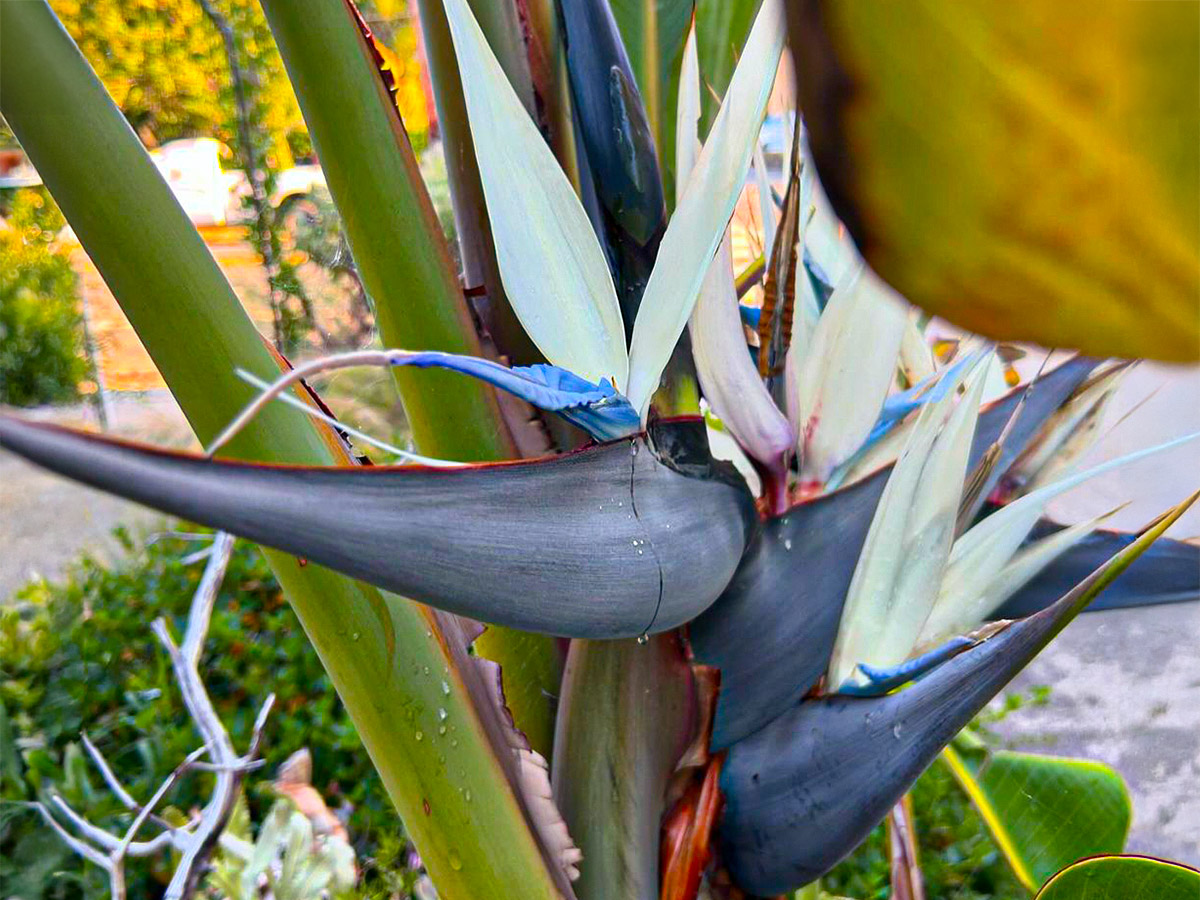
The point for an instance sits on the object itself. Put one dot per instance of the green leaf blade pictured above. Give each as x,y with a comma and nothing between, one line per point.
1123,878
1044,812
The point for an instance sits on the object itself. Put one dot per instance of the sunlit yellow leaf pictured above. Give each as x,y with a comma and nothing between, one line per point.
1029,170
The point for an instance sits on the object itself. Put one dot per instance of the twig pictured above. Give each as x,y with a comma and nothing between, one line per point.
196,841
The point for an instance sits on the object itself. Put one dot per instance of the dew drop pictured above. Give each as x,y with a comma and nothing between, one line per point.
446,688
787,544
455,860
426,670
441,729
643,638
420,735
453,742
442,714
355,636
896,731
467,795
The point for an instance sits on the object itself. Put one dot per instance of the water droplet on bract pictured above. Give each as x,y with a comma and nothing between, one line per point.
453,742
455,860
446,688
426,670
428,634
896,732
420,735
643,638
633,449
467,795
442,714
442,730
787,544
355,636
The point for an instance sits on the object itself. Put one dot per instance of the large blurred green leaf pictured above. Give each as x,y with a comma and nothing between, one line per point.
1029,170
1044,812
1123,878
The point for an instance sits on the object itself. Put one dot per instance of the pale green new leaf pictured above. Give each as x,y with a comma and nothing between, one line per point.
909,542
828,241
552,266
704,210
973,588
989,546
729,377
847,372
916,356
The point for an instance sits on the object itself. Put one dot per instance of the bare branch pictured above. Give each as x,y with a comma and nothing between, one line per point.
140,819
199,838
107,773
206,597
88,852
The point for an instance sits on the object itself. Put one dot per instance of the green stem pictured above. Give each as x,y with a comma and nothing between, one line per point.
466,190
627,714
390,224
550,76
377,186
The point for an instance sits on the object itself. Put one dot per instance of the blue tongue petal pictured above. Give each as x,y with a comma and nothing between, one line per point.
599,409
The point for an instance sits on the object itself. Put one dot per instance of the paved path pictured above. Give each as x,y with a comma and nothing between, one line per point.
47,521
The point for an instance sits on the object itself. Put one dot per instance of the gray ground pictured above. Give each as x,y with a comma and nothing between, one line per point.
1125,685
47,521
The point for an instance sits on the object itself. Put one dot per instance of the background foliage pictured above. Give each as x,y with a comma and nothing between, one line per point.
164,65
78,654
41,335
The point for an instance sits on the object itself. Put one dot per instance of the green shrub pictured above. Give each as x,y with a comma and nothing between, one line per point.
41,331
80,654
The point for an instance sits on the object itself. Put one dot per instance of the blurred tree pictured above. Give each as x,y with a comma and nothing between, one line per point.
166,68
